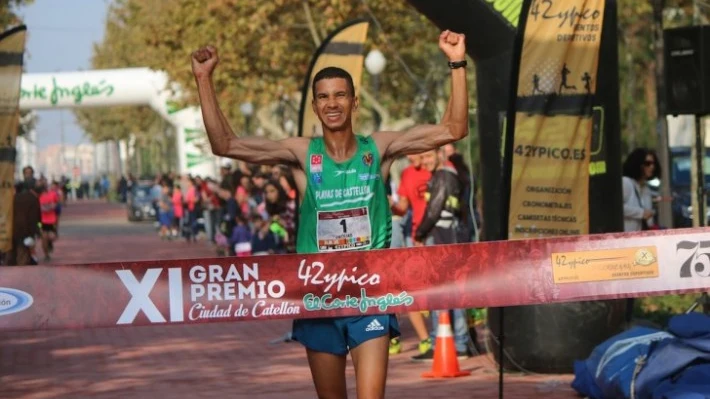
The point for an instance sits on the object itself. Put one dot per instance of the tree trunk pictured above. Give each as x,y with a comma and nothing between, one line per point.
140,151
311,23
630,126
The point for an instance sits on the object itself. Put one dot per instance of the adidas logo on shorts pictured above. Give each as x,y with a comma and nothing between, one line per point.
374,326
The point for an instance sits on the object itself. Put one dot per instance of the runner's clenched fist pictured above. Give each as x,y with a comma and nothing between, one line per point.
204,60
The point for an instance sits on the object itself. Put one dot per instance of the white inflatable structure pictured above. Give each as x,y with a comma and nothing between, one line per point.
131,86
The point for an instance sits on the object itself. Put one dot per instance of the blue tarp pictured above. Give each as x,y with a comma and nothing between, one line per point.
673,364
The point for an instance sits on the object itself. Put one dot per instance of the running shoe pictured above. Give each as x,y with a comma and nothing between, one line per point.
425,345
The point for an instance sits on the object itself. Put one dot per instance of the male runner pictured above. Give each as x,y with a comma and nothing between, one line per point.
48,202
357,166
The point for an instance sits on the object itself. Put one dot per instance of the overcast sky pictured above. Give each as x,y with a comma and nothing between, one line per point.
61,35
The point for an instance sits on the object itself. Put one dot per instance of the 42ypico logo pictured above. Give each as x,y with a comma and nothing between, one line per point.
13,301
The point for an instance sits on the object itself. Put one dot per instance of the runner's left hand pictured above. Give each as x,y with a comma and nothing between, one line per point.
453,45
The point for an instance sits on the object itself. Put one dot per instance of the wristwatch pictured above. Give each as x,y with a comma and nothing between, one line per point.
457,64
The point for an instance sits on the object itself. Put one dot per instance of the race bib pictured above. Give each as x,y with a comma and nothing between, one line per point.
344,230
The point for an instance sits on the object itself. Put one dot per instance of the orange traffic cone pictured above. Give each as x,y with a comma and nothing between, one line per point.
446,365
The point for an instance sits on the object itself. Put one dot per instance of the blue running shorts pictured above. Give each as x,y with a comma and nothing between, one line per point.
337,335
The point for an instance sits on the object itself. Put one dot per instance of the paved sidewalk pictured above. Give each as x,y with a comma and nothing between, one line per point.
215,361
234,360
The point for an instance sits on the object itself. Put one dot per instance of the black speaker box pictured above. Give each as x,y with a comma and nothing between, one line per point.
687,70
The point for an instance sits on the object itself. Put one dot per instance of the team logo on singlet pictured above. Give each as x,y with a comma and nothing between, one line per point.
316,163
367,159
317,178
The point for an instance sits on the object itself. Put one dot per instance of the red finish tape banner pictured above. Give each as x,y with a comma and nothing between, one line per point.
491,274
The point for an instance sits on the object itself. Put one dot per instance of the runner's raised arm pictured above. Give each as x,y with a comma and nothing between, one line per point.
222,138
453,126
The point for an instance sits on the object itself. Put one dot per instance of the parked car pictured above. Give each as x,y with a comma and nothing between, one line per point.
139,203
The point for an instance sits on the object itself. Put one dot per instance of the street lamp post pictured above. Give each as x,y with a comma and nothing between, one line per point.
247,109
289,126
375,63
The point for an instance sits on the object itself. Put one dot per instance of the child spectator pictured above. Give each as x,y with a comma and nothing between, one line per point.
165,215
282,211
227,220
263,241
241,237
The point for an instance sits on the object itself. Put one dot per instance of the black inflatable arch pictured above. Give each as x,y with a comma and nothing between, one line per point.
538,338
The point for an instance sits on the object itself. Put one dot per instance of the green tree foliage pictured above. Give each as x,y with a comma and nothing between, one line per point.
8,16
121,49
118,50
637,66
265,49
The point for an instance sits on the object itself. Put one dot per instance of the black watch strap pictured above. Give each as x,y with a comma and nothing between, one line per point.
457,64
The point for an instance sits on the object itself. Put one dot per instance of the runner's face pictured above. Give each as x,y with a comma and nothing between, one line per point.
334,103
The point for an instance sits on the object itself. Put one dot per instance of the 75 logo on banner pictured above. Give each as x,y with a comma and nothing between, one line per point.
696,258
140,295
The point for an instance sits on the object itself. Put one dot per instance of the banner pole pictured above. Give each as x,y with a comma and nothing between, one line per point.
508,143
700,176
501,353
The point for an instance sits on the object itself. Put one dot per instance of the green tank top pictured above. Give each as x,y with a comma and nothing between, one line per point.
345,206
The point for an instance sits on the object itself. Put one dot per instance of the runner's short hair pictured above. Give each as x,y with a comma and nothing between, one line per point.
333,73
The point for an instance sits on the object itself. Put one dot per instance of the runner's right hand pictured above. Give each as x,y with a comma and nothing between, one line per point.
204,61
